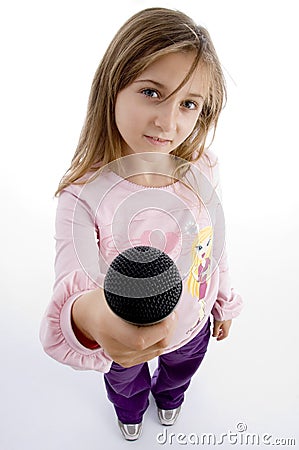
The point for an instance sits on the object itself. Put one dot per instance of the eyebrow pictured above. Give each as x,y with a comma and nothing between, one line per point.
161,86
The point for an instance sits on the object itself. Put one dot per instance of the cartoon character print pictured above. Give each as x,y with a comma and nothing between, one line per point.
198,279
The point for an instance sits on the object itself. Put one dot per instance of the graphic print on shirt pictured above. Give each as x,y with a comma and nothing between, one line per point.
198,279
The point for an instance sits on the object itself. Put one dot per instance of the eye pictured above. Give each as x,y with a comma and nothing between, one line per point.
150,93
208,243
199,247
189,104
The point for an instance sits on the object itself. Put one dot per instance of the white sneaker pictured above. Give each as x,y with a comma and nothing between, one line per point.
130,432
168,416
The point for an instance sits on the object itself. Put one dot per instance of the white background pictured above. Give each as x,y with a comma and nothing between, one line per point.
49,53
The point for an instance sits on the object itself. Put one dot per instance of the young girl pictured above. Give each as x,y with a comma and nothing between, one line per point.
157,93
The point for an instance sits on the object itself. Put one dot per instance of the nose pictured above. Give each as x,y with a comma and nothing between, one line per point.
166,116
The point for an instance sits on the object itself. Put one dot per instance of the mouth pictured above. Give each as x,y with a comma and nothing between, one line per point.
155,140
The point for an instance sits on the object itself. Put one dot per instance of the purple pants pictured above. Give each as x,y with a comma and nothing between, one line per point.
129,388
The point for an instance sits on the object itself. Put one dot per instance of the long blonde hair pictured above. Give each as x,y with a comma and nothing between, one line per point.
146,36
192,283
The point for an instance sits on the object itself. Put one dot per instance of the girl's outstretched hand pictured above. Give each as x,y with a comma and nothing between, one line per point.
221,329
128,345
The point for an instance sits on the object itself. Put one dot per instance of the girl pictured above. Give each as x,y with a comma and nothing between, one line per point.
157,93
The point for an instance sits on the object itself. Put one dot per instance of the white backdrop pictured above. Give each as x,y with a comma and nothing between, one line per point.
49,53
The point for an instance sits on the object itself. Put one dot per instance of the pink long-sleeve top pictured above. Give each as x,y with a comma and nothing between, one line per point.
98,220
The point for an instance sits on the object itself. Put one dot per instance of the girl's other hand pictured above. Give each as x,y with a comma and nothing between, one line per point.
221,329
127,344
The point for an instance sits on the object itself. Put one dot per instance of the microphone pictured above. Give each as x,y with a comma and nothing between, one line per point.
142,285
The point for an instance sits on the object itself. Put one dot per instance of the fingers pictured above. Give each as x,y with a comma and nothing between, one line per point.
221,329
128,357
216,328
134,345
137,358
222,334
159,335
144,337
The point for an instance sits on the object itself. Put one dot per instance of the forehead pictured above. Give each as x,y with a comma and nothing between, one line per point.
171,70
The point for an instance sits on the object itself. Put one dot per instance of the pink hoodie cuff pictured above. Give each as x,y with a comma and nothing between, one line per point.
67,329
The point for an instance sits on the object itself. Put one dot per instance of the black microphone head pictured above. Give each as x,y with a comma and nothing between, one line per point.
142,285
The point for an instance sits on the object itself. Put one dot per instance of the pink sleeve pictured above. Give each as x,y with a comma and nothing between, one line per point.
229,303
75,263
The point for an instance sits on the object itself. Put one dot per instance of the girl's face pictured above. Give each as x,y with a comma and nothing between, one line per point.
149,124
